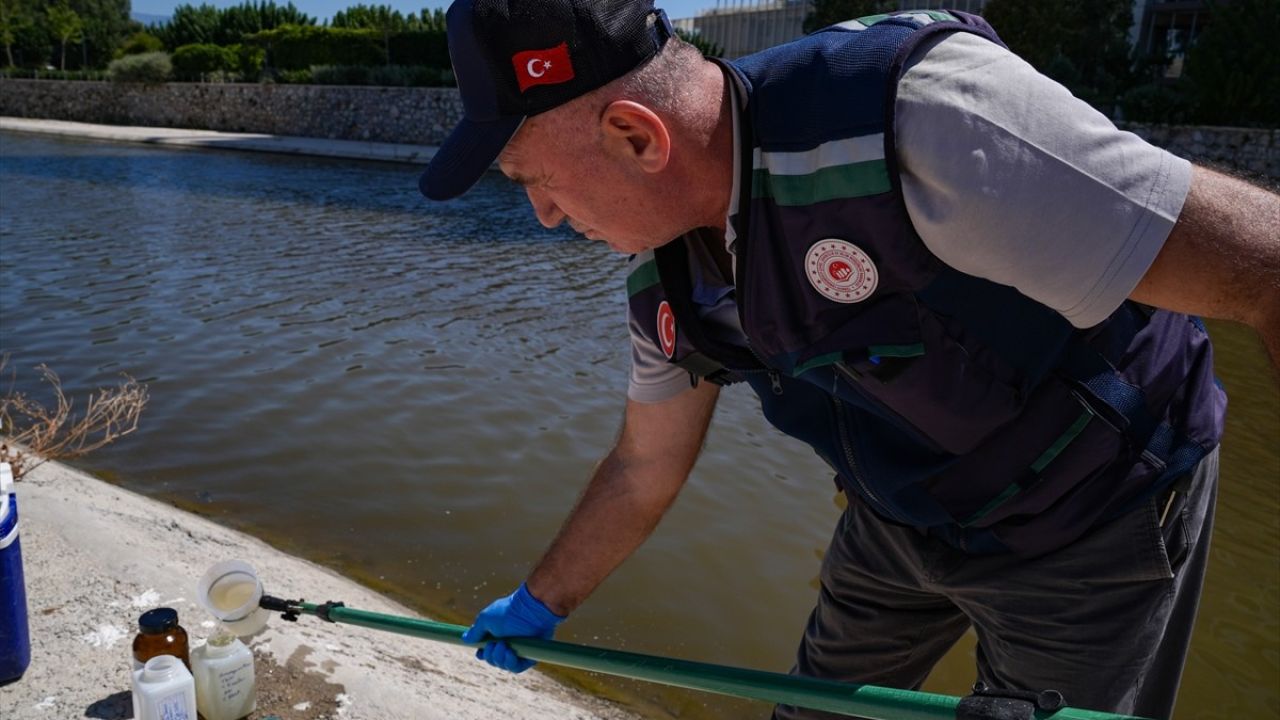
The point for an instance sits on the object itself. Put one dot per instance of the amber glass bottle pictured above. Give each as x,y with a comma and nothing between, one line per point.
160,634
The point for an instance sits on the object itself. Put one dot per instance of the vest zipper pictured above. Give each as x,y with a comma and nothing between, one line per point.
851,458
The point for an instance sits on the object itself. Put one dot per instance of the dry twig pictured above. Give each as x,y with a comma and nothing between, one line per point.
56,433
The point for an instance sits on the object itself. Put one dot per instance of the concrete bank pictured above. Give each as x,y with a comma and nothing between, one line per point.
213,139
96,556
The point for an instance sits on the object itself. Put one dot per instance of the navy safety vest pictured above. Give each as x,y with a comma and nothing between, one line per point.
943,400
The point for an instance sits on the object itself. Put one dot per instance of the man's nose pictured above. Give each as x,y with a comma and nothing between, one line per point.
549,214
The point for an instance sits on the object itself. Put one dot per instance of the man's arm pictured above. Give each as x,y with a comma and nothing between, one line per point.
1222,258
628,494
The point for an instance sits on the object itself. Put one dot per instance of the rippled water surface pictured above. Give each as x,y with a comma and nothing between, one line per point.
414,394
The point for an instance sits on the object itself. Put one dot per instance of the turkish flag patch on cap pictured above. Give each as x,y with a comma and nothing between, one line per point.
543,67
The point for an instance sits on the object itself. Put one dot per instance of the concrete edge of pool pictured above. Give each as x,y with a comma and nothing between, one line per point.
213,139
96,556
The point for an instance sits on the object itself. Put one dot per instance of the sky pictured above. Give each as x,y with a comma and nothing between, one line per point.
324,9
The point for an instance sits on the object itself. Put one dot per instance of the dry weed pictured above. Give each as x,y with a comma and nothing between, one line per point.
34,433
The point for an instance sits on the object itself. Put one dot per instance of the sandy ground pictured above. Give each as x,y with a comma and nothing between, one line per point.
96,556
179,137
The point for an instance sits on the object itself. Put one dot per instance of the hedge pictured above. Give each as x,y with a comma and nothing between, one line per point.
294,47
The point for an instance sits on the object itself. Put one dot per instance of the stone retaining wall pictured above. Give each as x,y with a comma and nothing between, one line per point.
421,116
1253,151
424,116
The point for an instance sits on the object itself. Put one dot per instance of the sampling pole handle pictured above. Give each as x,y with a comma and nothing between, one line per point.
864,701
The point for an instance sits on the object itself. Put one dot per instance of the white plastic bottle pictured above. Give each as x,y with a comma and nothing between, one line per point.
164,690
223,668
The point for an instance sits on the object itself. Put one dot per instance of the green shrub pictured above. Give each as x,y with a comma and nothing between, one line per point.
16,73
192,62
138,43
294,77
295,47
1156,103
248,61
386,75
341,75
152,67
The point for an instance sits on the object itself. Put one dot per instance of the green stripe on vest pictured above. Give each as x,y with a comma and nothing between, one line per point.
642,278
1040,464
832,183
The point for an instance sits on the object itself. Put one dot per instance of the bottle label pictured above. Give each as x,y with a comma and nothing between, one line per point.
234,683
175,707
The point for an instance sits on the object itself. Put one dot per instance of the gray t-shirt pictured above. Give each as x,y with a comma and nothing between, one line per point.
1008,177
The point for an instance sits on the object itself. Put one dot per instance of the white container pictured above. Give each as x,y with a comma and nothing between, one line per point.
223,668
230,591
164,690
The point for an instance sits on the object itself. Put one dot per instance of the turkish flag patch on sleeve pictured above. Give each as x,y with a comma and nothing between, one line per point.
543,67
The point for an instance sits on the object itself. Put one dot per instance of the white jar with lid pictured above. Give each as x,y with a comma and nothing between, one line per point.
164,690
223,669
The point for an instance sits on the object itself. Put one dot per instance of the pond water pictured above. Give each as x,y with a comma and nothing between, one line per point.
414,394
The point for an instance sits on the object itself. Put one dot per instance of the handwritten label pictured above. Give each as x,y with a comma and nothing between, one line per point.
235,682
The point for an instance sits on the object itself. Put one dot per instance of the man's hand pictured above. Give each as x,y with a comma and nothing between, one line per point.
519,614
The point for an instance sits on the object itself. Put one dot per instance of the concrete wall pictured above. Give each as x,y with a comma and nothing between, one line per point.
421,116
424,116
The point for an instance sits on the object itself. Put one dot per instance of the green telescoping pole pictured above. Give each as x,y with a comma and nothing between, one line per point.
864,701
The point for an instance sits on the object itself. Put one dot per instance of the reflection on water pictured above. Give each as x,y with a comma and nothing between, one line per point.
415,393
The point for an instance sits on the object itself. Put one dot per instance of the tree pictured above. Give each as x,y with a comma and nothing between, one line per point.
67,27
1232,67
13,18
106,25
382,18
830,12
205,24
1083,44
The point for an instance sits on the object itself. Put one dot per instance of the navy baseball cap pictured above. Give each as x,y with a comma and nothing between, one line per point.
517,58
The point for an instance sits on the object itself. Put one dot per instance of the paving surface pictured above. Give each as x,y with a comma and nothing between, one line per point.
96,556
177,137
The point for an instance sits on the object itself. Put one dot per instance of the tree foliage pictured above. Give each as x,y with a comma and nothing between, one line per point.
66,26
1234,67
374,17
206,24
830,12
707,47
1083,44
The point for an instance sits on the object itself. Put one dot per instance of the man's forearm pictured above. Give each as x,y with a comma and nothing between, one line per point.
614,516
627,496
1222,259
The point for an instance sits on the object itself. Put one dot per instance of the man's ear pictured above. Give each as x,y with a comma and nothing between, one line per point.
635,133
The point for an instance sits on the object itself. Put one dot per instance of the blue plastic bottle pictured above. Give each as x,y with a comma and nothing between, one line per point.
15,639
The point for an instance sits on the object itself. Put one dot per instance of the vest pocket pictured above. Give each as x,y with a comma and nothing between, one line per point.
952,395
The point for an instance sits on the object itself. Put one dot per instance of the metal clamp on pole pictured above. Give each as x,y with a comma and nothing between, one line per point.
323,611
288,609
988,703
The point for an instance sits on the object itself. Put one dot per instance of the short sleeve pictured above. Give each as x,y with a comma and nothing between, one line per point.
1008,177
653,379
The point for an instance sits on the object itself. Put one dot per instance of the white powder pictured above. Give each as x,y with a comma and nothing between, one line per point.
146,600
106,636
302,706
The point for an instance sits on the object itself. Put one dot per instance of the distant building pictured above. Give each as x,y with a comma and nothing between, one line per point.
741,27
969,6
1168,29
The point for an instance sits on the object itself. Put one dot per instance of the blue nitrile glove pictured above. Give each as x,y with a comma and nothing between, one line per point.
519,614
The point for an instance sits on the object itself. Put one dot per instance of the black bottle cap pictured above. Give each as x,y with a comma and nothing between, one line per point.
157,621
